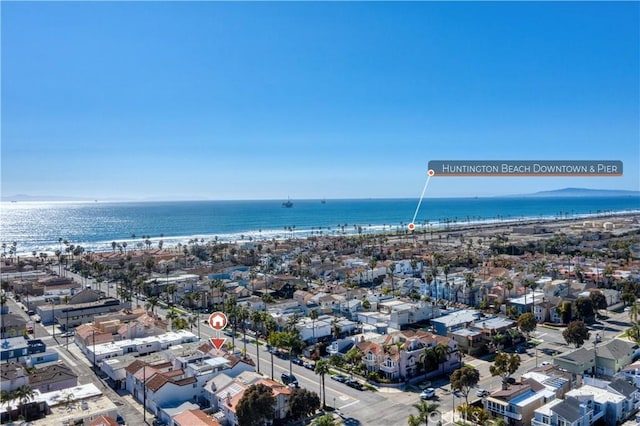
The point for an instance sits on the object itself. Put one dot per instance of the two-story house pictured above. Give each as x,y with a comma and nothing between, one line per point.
12,376
516,403
568,412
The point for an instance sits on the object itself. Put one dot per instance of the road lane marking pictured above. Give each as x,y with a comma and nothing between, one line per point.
349,404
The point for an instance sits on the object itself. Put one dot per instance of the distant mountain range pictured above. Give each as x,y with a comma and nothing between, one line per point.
584,192
25,197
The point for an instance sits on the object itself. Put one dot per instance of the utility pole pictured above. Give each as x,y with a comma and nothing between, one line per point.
93,335
53,321
144,393
66,329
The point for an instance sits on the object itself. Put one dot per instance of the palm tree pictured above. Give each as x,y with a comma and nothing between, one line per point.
508,285
231,308
242,316
322,368
6,398
425,409
270,328
314,316
441,354
212,285
498,341
428,358
634,312
257,320
24,394
390,268
414,420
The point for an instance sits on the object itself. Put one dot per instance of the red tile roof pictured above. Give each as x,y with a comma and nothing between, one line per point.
195,418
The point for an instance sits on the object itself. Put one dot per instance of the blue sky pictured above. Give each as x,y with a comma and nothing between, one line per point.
245,100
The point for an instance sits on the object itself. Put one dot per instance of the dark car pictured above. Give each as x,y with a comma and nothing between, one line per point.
510,380
340,378
309,365
521,349
354,384
297,361
289,379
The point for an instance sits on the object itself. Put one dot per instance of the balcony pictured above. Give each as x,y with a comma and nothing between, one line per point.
389,368
535,422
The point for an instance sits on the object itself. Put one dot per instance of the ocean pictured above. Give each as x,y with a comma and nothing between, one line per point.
38,226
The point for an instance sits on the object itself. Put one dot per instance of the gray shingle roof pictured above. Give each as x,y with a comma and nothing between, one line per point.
569,409
615,349
579,356
623,388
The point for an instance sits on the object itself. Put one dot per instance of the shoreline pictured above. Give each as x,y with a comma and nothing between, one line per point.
396,232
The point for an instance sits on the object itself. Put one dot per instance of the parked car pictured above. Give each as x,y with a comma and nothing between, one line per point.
509,380
354,384
340,378
482,393
521,349
297,361
289,379
428,393
309,365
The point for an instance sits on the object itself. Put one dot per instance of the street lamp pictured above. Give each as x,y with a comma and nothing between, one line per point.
144,393
453,407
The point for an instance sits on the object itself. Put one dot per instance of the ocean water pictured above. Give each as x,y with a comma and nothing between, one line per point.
38,226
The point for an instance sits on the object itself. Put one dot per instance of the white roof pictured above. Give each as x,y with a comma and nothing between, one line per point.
601,396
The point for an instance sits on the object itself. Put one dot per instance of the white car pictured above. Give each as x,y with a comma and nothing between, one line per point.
482,393
428,393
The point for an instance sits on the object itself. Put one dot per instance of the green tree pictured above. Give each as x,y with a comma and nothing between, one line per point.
498,340
353,357
576,333
257,318
598,300
504,365
424,410
565,312
583,309
289,340
303,403
23,394
321,369
441,354
463,379
256,407
414,420
527,323
634,312
326,420
428,358
6,398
